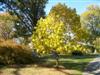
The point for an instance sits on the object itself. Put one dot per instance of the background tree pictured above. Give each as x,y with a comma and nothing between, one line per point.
90,21
49,36
97,44
28,12
59,31
6,26
70,19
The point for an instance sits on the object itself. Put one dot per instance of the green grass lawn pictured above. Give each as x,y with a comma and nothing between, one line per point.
69,65
77,63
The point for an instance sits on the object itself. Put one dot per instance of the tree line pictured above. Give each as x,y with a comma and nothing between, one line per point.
62,29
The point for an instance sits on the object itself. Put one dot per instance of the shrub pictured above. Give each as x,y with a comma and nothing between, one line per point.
77,53
12,53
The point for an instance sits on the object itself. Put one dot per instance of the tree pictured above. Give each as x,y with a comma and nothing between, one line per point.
28,12
90,21
97,44
70,19
6,26
59,29
48,35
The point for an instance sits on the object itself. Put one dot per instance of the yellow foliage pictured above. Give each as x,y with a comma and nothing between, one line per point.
48,34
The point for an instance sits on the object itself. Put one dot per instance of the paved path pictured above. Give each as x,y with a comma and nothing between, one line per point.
93,68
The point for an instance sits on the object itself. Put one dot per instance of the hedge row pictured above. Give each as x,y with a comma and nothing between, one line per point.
12,53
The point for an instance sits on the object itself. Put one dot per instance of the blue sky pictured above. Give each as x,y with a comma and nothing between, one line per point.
80,5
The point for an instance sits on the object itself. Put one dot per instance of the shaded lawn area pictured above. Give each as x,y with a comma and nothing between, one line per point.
69,65
77,63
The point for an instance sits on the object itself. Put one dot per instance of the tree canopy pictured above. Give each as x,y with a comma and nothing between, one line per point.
7,26
28,12
57,31
90,21
69,17
48,34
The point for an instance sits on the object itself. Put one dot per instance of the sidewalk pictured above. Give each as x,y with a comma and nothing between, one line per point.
93,67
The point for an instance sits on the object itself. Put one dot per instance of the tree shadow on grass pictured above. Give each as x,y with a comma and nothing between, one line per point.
2,66
74,65
19,67
87,56
16,68
79,66
16,72
62,71
65,65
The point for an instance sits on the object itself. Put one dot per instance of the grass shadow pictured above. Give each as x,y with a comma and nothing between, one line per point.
68,62
62,71
78,63
74,65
